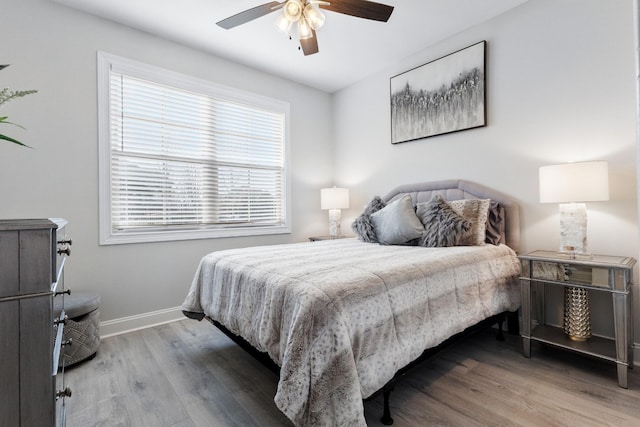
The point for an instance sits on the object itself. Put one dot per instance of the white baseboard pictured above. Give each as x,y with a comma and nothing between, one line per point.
139,321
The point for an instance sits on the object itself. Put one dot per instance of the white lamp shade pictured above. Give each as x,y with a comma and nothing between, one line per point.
334,198
574,182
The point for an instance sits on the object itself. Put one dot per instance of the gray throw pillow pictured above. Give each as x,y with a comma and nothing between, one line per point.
496,224
443,226
397,222
363,226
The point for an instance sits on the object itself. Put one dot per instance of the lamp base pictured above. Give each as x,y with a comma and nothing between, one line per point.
335,217
573,228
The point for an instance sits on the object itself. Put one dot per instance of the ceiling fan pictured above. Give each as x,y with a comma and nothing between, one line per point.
309,18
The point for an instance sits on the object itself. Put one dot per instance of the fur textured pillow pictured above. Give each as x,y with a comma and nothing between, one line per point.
476,210
363,226
443,226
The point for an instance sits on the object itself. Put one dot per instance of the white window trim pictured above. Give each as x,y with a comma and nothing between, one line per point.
133,68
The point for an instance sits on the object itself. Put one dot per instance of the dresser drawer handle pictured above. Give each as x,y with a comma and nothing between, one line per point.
66,250
59,321
66,291
65,242
63,393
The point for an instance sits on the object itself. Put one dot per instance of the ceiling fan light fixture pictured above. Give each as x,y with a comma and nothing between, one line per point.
314,16
304,29
292,10
308,15
283,24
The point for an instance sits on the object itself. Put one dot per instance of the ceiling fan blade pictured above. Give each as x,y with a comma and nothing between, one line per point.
360,8
310,46
249,15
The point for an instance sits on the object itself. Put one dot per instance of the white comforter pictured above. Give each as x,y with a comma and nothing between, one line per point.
341,317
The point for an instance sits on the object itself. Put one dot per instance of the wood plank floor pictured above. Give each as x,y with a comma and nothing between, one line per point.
188,373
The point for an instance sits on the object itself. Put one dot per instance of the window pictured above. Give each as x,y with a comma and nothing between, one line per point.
181,158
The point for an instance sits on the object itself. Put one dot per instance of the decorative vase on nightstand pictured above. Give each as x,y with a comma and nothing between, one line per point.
577,315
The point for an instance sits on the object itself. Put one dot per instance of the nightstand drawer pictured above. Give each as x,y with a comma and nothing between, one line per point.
560,272
597,271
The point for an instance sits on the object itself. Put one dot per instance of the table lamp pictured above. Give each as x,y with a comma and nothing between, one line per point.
334,199
571,185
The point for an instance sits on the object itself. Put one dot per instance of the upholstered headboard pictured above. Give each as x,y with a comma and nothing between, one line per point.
455,189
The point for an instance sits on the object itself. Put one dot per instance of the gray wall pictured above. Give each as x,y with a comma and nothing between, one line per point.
53,48
560,87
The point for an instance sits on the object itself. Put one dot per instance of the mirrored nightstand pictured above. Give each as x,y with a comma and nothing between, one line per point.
593,273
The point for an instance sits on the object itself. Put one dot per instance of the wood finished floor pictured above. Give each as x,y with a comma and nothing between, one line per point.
188,373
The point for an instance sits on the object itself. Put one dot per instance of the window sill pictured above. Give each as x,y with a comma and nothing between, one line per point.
127,237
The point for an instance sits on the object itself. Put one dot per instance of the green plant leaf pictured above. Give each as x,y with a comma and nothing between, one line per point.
3,120
5,96
15,141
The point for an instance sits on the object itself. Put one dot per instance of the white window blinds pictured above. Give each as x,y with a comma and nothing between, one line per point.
184,159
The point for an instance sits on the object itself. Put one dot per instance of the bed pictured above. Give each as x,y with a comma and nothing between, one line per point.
341,319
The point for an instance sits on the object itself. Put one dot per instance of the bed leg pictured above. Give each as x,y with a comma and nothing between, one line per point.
500,334
513,324
386,415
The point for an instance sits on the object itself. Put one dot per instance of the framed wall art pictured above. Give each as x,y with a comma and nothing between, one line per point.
443,96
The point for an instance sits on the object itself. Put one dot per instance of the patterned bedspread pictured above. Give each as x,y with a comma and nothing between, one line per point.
340,317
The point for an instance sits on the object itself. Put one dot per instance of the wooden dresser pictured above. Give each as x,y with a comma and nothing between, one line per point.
32,258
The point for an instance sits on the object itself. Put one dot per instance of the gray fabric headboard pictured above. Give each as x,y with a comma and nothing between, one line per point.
456,189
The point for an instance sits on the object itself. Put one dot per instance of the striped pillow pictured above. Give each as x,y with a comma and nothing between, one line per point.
443,226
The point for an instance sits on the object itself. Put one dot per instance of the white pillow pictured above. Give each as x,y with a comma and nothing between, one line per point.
397,222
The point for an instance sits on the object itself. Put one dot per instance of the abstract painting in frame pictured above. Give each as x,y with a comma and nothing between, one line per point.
443,96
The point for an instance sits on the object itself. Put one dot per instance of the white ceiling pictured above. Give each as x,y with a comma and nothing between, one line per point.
350,48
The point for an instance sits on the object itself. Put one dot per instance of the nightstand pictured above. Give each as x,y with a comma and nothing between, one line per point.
318,238
611,275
